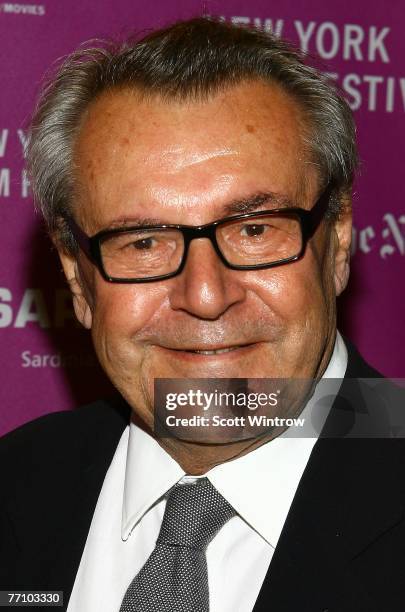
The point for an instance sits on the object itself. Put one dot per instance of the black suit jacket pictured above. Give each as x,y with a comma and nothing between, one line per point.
342,547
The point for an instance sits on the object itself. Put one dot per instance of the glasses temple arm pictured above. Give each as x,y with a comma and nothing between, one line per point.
319,210
80,236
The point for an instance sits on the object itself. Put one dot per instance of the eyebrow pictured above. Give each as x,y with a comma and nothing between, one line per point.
235,207
252,203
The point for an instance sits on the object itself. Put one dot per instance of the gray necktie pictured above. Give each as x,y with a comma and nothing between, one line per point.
174,578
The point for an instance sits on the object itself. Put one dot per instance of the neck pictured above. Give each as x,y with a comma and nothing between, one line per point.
197,459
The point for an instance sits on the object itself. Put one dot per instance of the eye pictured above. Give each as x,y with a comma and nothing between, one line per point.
144,244
254,229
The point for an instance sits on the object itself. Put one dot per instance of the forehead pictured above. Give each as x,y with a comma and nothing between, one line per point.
135,151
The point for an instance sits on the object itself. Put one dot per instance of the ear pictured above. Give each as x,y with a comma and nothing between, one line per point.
343,239
80,287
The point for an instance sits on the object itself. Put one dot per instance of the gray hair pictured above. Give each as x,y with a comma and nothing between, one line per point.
190,59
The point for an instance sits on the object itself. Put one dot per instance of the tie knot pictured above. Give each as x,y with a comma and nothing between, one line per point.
194,514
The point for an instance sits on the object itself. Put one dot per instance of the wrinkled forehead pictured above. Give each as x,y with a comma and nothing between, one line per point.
149,150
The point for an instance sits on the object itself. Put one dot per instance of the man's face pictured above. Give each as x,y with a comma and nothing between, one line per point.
185,163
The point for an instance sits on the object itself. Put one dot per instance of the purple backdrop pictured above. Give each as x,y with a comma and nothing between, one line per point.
46,360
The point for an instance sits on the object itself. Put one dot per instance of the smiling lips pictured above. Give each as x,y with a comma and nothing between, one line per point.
218,351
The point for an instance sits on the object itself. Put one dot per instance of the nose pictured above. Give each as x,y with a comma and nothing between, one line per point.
206,288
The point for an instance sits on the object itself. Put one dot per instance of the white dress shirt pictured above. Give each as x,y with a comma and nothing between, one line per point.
259,485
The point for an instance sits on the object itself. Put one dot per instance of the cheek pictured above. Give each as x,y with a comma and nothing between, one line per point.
298,316
119,313
293,292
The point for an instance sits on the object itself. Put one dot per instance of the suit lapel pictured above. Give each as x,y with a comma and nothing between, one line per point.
75,519
349,495
67,501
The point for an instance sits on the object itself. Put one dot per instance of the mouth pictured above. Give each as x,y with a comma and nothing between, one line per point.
219,351
201,353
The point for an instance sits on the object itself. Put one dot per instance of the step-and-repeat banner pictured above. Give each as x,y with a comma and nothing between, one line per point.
47,362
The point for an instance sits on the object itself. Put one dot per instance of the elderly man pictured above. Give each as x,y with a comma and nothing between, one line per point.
197,187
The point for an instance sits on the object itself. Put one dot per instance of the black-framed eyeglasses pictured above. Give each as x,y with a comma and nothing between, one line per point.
249,241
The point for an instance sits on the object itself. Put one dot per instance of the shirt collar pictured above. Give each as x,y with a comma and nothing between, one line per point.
259,485
149,473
